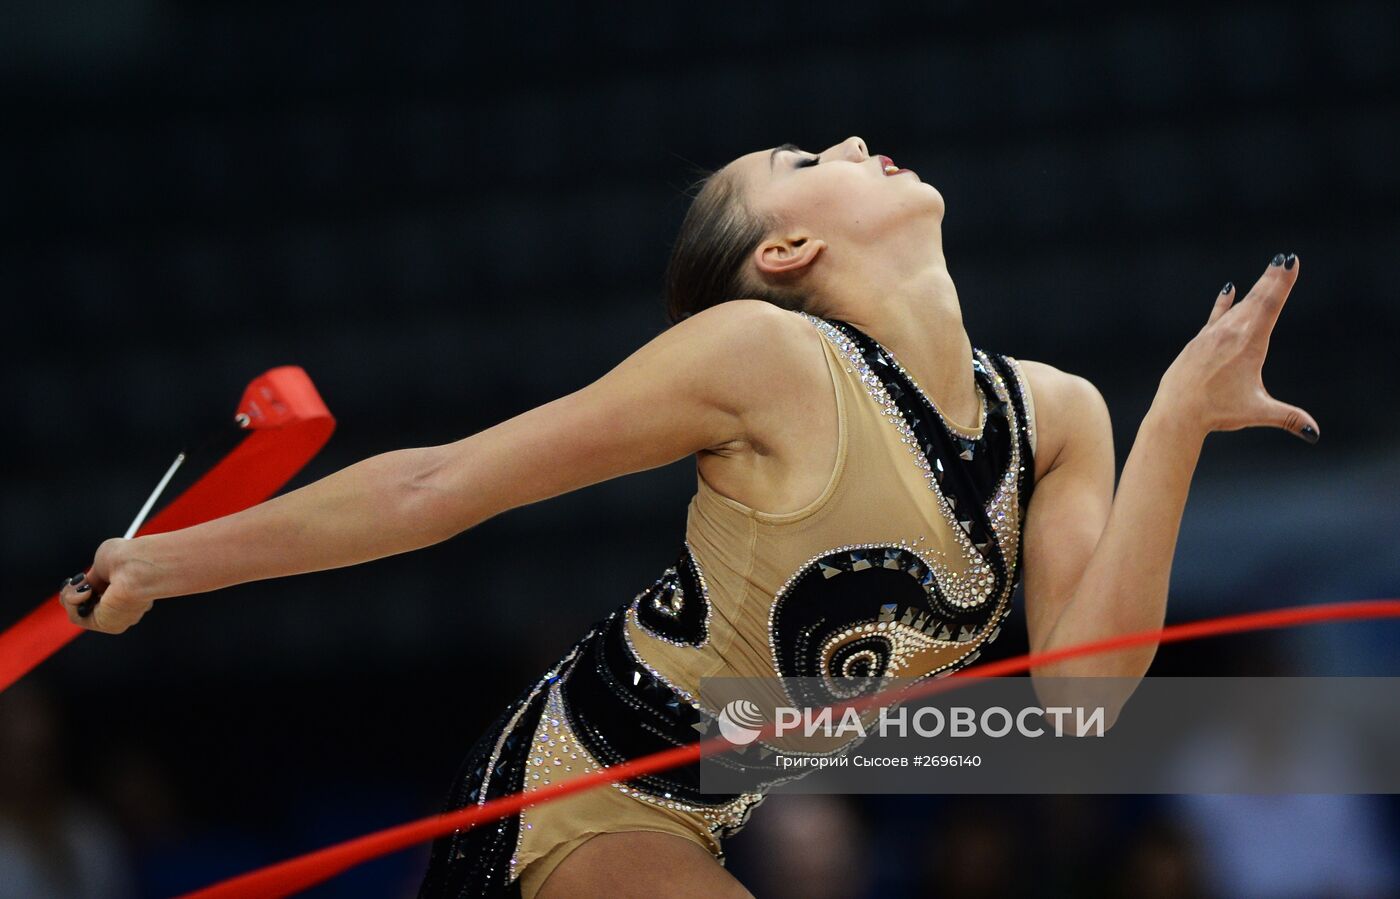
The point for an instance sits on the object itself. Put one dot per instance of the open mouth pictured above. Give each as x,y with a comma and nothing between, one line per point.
890,168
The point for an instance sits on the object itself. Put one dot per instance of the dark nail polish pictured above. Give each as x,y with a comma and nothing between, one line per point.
1289,260
85,610
1229,286
1308,434
84,588
1277,260
77,579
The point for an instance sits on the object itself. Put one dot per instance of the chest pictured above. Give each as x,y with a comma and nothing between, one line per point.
862,611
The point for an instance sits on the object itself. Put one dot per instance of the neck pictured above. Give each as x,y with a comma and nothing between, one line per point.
915,314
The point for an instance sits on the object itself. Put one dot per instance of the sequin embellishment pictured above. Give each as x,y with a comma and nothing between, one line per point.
676,607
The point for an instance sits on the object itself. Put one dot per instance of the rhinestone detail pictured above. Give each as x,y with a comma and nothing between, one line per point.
670,600
970,582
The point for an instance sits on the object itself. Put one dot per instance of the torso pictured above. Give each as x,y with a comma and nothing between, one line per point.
931,498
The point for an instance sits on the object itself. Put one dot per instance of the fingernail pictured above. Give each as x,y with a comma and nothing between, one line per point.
84,588
85,610
77,578
1308,434
1229,286
1277,260
1289,260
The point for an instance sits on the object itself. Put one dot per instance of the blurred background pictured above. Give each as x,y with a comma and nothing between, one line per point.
449,214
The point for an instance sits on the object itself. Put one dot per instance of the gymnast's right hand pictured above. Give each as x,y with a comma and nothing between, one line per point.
108,597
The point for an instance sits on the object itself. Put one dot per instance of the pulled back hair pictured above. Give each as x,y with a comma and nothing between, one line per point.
709,260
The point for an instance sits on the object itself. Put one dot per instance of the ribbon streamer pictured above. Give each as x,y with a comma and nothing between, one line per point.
299,873
286,423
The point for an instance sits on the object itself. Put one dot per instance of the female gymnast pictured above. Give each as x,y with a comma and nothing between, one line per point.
859,463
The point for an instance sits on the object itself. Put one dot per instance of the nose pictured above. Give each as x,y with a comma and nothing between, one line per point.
852,148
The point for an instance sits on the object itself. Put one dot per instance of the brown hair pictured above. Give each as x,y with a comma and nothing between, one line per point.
709,258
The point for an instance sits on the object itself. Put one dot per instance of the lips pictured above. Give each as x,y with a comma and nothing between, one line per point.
888,166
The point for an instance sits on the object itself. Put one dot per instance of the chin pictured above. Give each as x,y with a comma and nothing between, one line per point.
933,201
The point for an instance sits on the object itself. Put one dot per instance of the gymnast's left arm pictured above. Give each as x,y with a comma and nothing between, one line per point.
1098,562
1098,565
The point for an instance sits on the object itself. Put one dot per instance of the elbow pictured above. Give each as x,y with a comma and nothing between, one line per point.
423,471
1098,700
435,494
422,495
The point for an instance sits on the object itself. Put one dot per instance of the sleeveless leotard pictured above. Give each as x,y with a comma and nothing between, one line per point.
904,566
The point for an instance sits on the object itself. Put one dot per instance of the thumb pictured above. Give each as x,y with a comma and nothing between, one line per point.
1292,419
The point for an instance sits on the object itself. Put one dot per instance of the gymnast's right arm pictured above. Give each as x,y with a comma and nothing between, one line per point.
690,388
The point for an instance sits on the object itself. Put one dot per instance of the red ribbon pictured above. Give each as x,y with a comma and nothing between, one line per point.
303,872
287,424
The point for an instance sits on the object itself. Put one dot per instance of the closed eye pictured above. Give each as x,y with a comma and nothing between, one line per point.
803,163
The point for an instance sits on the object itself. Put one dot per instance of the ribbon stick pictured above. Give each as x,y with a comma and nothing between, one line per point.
140,518
285,423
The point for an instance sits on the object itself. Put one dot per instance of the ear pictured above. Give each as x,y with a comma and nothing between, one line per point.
787,255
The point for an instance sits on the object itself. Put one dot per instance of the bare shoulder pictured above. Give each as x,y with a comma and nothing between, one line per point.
745,324
1069,409
758,349
1055,385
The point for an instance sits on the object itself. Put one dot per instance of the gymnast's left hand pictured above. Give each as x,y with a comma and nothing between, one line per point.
113,581
1216,382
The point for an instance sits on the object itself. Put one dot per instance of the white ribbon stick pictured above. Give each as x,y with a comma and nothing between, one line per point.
151,500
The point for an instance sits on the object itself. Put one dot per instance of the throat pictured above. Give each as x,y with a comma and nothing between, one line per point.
950,385
967,414
928,342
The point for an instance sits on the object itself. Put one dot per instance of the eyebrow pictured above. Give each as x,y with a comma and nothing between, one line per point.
776,150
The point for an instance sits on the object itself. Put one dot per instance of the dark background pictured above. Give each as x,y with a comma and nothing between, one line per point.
449,215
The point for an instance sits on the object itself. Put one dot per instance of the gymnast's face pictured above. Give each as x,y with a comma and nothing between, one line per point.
840,197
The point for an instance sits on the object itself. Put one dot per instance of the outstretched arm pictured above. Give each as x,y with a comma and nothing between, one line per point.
688,389
1098,564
